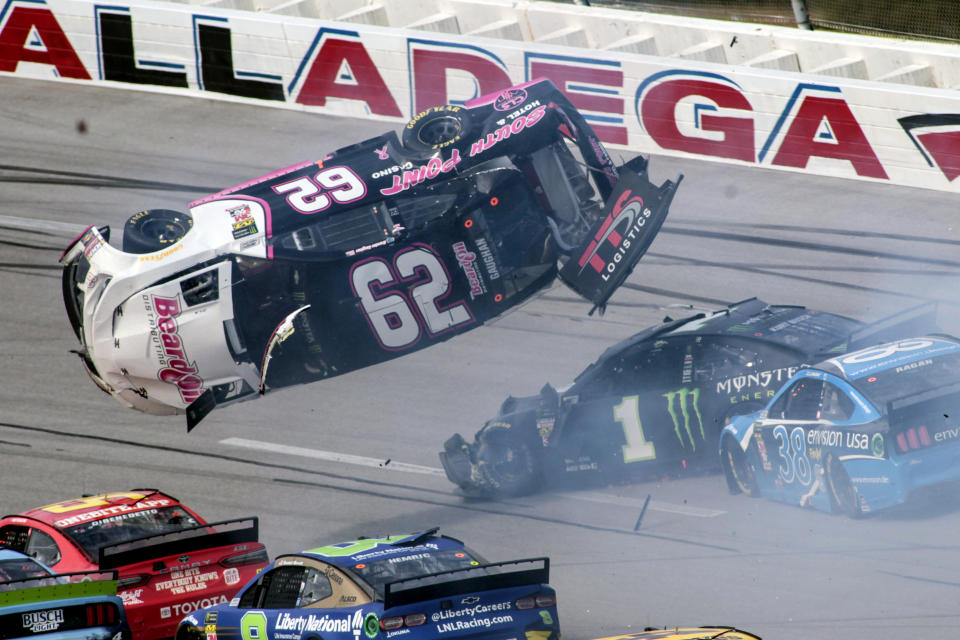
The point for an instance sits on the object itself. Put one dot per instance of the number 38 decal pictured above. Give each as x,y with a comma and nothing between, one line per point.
795,463
403,299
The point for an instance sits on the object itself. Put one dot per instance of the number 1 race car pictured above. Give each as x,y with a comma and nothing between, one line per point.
77,606
169,560
656,402
855,433
381,248
418,587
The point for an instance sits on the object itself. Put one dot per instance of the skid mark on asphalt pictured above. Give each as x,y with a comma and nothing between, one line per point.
33,175
332,456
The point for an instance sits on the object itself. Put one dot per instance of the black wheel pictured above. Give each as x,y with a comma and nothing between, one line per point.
508,465
739,475
843,497
436,128
155,229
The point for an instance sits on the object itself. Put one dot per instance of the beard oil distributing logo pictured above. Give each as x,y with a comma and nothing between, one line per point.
466,259
177,369
619,230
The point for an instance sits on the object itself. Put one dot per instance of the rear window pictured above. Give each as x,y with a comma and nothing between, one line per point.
94,535
21,569
910,379
379,573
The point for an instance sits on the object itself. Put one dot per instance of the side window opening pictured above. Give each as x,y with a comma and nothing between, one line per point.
803,400
42,547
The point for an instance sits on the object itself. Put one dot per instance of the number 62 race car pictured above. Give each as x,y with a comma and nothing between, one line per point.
381,248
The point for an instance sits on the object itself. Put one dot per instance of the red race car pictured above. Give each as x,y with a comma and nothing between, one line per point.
169,560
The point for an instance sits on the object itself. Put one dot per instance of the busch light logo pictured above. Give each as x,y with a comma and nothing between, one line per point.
41,621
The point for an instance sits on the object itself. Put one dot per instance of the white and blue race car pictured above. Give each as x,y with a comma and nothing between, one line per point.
856,433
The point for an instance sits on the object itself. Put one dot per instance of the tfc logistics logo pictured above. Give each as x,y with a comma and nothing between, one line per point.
684,408
619,229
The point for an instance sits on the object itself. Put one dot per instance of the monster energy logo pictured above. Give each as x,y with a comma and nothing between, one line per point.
682,412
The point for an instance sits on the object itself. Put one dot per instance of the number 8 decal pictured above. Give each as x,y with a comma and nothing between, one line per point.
402,300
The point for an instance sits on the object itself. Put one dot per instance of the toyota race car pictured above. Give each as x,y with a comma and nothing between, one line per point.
655,403
856,433
35,602
169,560
419,587
379,249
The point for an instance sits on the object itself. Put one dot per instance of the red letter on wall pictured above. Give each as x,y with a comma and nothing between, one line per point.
430,75
561,74
59,52
658,113
800,141
321,80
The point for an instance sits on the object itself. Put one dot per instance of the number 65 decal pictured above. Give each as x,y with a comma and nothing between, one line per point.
400,300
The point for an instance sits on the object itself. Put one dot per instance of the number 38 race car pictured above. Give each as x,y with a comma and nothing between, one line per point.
381,248
856,433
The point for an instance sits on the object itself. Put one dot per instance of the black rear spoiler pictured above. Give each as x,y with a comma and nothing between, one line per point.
633,214
915,321
496,575
204,536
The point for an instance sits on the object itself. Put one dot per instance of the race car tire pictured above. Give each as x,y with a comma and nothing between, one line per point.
843,497
740,478
155,229
436,128
508,466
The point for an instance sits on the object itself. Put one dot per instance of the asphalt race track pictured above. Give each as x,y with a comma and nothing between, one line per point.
357,455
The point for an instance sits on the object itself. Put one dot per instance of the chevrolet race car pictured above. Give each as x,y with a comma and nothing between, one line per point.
655,403
713,632
381,248
34,602
856,433
169,560
419,587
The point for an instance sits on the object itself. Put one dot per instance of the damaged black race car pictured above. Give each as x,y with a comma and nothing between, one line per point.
379,249
656,402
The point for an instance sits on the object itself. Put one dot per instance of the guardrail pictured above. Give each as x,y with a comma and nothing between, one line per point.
764,96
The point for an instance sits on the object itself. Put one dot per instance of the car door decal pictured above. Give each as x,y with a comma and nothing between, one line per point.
794,461
637,448
683,406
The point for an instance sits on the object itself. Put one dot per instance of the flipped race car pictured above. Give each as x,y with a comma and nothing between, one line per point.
379,249
35,602
420,586
655,403
168,559
856,433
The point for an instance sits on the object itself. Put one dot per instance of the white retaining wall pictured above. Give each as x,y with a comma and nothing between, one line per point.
714,90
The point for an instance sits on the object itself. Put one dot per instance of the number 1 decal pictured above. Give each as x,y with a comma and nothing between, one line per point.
637,448
402,300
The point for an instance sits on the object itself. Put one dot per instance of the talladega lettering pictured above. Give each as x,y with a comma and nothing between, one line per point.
177,371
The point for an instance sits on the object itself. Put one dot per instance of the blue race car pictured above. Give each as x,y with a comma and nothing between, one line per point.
76,606
856,433
417,586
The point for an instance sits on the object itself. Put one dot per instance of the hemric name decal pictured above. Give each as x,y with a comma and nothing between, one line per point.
178,370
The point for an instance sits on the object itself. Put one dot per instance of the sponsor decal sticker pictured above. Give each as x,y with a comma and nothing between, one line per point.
466,258
183,608
243,222
182,582
231,576
43,621
509,99
176,368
